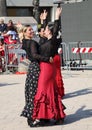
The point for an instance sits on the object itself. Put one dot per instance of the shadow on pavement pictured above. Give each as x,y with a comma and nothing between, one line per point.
78,93
6,84
81,113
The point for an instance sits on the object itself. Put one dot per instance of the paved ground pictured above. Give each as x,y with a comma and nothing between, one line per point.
78,87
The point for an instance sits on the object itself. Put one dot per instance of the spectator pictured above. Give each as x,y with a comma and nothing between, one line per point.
2,46
3,26
10,23
8,39
12,30
2,55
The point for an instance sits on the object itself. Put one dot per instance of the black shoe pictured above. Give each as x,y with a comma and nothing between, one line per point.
44,122
60,122
29,121
36,123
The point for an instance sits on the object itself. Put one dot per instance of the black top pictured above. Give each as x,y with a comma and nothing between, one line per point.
43,39
59,40
32,49
3,27
49,47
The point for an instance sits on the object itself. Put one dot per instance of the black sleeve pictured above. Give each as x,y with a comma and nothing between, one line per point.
42,40
23,45
35,55
55,32
44,23
55,28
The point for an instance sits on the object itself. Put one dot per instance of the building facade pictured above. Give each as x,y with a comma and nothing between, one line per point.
25,8
76,17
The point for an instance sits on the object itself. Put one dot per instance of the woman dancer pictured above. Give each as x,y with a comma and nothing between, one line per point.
47,101
32,49
57,58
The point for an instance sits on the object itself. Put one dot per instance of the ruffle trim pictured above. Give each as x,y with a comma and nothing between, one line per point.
56,109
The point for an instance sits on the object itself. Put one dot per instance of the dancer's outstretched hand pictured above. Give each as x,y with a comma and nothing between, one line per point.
58,12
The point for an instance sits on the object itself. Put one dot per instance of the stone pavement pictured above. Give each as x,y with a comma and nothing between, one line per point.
78,88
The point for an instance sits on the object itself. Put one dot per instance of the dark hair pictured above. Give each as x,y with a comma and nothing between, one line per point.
41,27
50,26
10,21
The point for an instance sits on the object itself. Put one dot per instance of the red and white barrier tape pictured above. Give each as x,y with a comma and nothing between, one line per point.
82,50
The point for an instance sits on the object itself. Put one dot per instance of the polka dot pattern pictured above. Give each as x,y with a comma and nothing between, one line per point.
30,89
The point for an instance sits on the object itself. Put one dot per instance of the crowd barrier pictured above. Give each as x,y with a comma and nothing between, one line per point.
13,55
77,55
74,55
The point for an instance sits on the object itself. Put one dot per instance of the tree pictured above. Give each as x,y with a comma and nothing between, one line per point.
3,11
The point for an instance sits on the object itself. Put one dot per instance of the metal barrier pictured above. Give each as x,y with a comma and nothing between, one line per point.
2,59
13,56
77,55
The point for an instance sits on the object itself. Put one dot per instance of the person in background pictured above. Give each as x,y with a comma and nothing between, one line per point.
2,48
3,26
11,42
2,54
10,23
8,39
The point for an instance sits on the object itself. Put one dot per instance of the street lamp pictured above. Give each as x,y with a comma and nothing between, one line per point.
36,9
